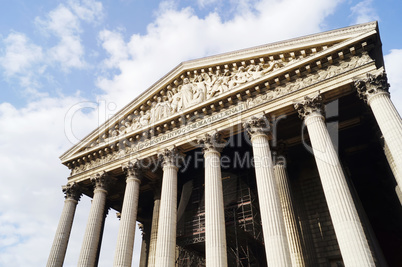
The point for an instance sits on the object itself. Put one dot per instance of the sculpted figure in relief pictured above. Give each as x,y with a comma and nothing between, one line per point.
257,71
186,93
203,87
136,123
174,97
218,85
199,90
160,110
144,118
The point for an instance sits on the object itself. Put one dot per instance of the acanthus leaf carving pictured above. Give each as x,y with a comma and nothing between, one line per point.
372,84
132,168
72,191
256,125
172,156
101,181
309,105
212,141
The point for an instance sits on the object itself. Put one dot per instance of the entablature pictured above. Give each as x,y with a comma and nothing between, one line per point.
228,115
242,83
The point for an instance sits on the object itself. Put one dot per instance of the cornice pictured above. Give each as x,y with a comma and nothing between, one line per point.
275,92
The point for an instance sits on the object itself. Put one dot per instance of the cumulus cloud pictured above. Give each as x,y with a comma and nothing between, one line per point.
33,138
115,46
28,62
65,26
20,54
364,12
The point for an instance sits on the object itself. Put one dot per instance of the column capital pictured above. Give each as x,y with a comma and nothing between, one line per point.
132,169
172,157
373,84
212,142
72,191
101,181
309,105
257,125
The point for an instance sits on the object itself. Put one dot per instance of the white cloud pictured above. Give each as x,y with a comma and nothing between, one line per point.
64,23
114,44
20,54
65,26
33,138
393,65
88,10
364,12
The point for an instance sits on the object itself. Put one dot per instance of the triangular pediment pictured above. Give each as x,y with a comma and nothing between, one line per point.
198,86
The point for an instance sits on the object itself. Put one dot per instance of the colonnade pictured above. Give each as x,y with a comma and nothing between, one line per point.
279,225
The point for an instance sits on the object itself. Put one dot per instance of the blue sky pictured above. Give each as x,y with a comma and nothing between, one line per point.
57,57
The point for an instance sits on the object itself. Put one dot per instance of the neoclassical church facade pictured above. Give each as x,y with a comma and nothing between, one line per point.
285,154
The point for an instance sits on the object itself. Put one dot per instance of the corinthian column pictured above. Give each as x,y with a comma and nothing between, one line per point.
154,227
273,226
125,238
285,195
215,231
96,221
166,243
58,252
374,91
348,228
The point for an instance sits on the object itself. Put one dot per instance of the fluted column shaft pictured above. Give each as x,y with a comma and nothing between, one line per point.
60,242
215,233
273,226
390,160
166,242
125,238
373,89
390,123
95,222
348,228
154,233
295,246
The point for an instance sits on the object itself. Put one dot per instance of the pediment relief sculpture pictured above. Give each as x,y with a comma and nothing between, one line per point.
202,86
196,88
262,98
193,90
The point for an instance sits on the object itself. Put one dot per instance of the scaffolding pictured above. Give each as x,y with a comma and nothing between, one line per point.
242,218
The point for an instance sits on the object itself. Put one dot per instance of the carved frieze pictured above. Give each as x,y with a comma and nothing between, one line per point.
275,91
206,84
193,90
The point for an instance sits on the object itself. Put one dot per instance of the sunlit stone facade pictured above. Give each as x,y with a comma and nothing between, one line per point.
286,154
